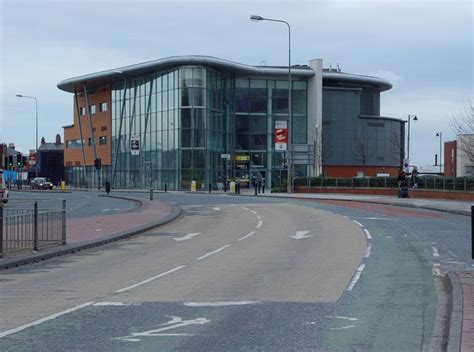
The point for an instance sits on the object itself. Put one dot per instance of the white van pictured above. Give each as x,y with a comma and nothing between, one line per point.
3,188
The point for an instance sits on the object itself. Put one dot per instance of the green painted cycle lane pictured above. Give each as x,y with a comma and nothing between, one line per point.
393,305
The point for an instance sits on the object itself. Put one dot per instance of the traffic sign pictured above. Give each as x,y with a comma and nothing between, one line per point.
135,145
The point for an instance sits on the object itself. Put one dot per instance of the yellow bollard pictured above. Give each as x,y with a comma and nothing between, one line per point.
63,186
232,187
193,186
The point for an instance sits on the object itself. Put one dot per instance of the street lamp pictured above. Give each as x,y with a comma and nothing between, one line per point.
440,135
290,127
408,145
36,147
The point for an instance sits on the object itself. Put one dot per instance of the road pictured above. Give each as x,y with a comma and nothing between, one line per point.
79,204
245,274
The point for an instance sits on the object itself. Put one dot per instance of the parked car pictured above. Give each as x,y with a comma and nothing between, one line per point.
41,183
3,189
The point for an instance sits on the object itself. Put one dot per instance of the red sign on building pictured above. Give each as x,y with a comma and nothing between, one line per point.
281,135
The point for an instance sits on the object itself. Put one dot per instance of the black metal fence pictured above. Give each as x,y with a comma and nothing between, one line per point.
434,183
25,227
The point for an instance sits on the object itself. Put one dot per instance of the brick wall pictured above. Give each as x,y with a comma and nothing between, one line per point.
101,124
450,158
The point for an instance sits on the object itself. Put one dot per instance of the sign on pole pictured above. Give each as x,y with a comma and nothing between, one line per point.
281,135
135,145
225,156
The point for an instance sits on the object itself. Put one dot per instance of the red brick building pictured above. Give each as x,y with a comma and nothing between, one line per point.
450,158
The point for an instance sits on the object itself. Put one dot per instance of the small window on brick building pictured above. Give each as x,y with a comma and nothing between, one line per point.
103,128
90,142
91,109
103,140
69,163
77,163
102,107
82,111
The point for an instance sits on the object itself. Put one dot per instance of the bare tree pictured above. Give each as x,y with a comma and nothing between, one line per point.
362,150
462,124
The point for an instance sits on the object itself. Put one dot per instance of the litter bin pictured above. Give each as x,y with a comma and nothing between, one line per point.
107,187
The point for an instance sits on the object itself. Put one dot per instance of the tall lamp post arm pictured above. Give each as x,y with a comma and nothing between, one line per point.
36,118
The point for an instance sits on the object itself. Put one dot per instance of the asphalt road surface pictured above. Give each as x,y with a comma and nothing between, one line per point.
245,274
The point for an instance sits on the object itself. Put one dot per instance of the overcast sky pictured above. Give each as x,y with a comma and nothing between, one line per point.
424,48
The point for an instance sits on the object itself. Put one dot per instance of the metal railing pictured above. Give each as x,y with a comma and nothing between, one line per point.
433,183
29,228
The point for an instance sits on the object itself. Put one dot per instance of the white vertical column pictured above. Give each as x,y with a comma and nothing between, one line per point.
315,111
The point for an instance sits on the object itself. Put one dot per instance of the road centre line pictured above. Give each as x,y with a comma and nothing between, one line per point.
367,252
435,252
213,252
369,237
253,212
259,217
358,223
259,224
247,236
244,208
150,279
42,320
356,277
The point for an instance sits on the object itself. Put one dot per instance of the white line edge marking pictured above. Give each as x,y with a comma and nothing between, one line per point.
253,212
244,208
367,252
356,277
216,208
435,252
259,224
150,279
259,217
358,223
247,236
50,317
436,269
369,237
220,304
213,252
341,317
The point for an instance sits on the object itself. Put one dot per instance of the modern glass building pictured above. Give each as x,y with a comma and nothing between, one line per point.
197,118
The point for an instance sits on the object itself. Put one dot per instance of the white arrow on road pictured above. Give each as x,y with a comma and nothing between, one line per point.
189,236
300,235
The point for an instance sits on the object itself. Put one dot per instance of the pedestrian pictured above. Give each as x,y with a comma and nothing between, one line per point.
413,181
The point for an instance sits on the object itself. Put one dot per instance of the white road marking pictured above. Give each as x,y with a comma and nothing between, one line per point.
98,230
436,269
213,252
259,217
247,236
175,322
344,327
189,236
259,224
369,237
300,235
117,209
356,277
100,304
150,279
367,252
435,252
375,218
358,223
105,210
341,317
253,212
50,317
220,304
216,209
244,208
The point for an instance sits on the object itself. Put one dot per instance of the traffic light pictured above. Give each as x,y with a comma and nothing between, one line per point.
10,160
18,160
98,163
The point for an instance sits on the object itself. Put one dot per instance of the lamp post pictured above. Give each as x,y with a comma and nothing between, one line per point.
36,147
408,144
440,135
290,127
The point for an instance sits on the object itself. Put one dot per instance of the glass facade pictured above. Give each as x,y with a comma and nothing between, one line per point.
183,122
186,118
